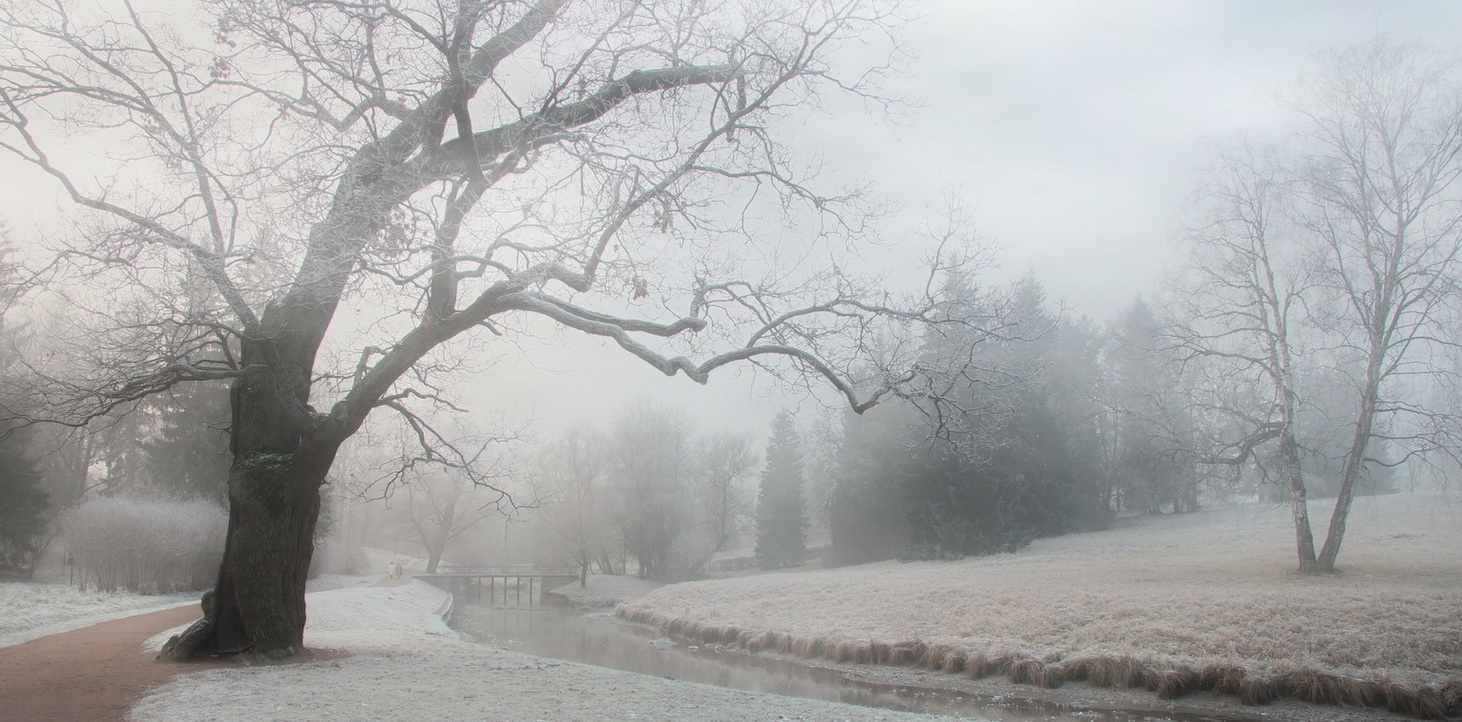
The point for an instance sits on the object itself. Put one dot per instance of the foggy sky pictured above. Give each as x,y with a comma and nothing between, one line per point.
1076,130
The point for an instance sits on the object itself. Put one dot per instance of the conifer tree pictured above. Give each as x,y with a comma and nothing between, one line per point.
22,501
22,507
781,522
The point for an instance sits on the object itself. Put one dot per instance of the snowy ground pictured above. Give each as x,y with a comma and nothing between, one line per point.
394,659
1214,586
30,610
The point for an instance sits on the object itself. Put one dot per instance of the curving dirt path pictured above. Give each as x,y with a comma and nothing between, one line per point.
93,673
96,673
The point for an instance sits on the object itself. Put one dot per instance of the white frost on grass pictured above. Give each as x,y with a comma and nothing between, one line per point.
401,663
1214,586
606,591
31,610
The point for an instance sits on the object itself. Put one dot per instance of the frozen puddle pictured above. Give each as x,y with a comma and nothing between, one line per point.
599,639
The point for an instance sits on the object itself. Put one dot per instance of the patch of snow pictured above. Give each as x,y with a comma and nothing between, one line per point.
398,665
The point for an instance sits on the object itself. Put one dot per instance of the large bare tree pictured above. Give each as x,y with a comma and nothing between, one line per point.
334,203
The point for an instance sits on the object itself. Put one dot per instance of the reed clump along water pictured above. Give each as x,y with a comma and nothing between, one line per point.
1167,682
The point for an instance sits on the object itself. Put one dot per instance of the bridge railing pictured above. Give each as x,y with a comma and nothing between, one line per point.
525,570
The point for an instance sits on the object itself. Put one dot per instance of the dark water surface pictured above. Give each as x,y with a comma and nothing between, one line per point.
600,639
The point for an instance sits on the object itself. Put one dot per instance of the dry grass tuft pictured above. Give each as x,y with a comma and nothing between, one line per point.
1222,678
1257,689
953,663
841,652
1361,693
1430,703
933,656
1103,671
1308,685
1125,671
1026,671
809,647
1079,669
1452,697
881,652
1172,683
906,653
977,666
1399,698
1052,676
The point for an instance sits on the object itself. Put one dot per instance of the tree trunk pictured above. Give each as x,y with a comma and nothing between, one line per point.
1355,461
258,602
1298,503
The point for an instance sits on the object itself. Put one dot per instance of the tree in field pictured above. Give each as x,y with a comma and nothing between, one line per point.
652,463
781,501
1337,259
1247,278
1381,196
723,460
336,206
436,508
574,469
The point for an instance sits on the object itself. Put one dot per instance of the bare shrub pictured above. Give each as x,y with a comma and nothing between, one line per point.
146,545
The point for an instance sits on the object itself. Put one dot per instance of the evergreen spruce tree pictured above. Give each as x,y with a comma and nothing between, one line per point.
781,523
22,501
22,507
188,456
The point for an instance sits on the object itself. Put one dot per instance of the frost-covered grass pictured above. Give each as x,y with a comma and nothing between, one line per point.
394,659
606,591
1211,588
29,610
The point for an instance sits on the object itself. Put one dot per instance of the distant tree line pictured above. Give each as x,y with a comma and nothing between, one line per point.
1021,459
648,495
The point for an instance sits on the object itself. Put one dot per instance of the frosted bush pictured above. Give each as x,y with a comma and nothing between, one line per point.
146,545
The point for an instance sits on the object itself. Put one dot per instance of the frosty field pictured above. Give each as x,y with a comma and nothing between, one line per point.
396,660
1209,588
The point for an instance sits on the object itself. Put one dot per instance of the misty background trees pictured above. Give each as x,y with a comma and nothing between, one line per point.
272,259
284,176
781,499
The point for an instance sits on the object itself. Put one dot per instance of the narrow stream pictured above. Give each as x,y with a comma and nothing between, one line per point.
602,640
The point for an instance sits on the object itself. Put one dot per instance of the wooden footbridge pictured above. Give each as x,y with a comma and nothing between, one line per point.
515,582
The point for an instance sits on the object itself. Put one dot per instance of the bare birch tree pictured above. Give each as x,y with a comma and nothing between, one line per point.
1244,283
1381,197
358,193
1352,237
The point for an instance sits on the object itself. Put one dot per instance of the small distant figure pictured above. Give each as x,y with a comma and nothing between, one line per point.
393,569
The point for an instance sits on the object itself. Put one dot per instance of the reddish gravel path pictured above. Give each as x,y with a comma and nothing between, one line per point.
96,673
93,673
